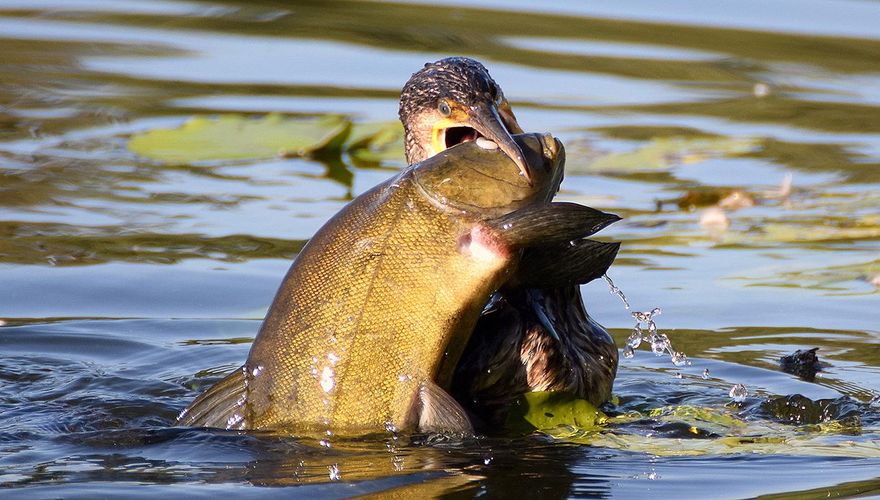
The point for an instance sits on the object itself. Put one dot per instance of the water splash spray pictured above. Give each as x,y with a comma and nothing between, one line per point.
645,330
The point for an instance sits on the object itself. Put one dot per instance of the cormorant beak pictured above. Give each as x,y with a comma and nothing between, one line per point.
470,122
491,124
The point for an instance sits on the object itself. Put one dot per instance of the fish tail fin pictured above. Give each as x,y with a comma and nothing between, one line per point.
222,405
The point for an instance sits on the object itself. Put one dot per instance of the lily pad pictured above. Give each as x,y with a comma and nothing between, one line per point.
830,278
236,137
660,154
545,411
377,142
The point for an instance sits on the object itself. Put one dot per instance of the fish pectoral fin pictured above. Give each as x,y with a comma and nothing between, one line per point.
574,263
222,405
439,412
550,224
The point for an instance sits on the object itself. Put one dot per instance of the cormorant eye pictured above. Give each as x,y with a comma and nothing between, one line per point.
443,108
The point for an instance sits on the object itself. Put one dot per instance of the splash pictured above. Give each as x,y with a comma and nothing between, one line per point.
738,393
334,472
616,291
645,331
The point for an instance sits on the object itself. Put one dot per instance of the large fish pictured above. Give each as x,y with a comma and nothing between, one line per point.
390,288
531,337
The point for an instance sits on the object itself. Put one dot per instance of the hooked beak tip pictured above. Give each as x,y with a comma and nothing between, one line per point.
523,168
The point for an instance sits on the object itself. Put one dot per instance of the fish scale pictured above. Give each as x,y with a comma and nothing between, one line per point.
385,293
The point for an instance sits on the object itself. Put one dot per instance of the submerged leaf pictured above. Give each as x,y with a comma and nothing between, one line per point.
236,137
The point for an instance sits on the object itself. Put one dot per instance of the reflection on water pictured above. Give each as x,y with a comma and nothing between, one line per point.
685,121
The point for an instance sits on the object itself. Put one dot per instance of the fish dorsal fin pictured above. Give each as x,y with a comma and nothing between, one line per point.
550,224
440,413
573,263
222,406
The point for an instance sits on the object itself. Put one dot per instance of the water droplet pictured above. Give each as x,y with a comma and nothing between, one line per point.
680,359
653,476
333,358
738,393
628,351
390,427
761,89
659,344
706,374
616,291
635,338
233,421
487,460
325,443
327,379
257,371
397,463
335,474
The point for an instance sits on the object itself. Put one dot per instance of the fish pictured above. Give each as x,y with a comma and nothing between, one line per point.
368,324
529,338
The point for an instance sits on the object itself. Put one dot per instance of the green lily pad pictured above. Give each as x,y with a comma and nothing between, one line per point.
660,154
829,278
376,143
236,137
545,411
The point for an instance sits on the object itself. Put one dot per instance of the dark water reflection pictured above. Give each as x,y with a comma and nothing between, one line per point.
685,121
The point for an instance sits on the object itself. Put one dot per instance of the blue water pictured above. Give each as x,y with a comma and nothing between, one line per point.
124,292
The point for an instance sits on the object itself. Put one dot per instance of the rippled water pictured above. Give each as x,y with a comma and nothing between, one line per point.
128,285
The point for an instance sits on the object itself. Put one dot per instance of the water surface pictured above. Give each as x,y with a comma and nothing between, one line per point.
127,285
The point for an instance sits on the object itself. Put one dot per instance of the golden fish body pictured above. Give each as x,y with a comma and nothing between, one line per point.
385,293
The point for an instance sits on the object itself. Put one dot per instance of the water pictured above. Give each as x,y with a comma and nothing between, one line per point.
127,285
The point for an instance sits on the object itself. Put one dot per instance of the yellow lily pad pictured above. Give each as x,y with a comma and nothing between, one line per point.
236,137
545,411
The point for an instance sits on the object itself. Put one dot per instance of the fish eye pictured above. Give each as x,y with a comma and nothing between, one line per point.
443,108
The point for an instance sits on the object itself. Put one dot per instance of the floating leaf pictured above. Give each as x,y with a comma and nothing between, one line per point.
551,410
831,278
660,154
377,142
727,434
236,137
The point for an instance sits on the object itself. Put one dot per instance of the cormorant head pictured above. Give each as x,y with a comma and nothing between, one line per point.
454,100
